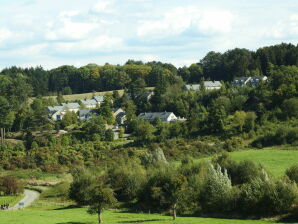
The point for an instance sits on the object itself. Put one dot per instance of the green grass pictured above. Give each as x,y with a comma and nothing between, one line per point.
275,161
31,175
79,216
11,200
75,97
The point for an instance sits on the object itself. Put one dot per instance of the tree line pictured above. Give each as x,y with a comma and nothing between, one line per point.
214,66
219,188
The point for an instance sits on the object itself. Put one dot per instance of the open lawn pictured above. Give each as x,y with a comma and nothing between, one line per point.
274,160
79,216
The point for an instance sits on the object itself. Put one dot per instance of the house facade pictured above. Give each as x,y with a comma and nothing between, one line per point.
163,116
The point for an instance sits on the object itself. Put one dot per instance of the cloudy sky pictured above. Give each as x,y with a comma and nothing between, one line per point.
77,32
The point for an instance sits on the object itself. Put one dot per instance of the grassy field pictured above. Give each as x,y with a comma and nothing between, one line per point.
274,160
79,216
75,97
32,175
12,200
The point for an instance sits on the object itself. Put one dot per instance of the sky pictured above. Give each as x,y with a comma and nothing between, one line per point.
51,33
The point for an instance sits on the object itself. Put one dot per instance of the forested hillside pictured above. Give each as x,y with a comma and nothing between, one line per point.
214,66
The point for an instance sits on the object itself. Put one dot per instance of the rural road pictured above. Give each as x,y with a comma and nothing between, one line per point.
30,197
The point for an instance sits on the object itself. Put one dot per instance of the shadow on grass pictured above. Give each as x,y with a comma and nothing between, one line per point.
75,223
288,219
141,221
67,207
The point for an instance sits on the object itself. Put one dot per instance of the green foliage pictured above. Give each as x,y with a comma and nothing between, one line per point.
83,181
241,172
290,107
216,195
164,190
264,197
292,173
143,131
69,119
282,135
100,198
109,135
94,129
127,178
105,111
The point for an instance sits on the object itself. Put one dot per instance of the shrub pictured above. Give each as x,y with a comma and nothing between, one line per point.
127,178
216,195
79,188
264,197
10,186
240,173
292,173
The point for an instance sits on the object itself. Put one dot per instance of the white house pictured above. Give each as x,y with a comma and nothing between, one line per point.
163,116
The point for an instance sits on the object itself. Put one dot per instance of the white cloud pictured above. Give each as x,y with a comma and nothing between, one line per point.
180,19
95,44
103,7
5,34
33,51
66,29
55,32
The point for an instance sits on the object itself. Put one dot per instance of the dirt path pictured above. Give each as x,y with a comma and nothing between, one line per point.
30,197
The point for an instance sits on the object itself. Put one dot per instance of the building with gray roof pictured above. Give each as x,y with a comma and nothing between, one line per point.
209,85
89,103
163,116
85,114
99,99
74,107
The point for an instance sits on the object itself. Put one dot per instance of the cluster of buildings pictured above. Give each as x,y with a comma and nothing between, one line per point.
89,107
84,108
240,81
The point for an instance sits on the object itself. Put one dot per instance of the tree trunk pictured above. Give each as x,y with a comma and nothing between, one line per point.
99,216
174,212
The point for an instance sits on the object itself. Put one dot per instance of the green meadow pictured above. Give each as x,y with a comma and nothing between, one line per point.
274,160
49,209
79,216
